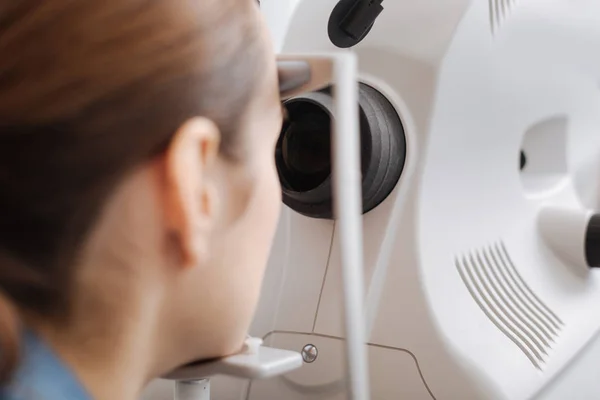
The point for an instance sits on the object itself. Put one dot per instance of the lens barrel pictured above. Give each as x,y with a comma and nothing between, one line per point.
303,153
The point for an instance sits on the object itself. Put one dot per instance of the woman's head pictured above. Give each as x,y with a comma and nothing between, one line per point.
136,143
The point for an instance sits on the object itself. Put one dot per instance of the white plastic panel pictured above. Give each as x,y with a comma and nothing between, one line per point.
510,67
295,274
395,30
494,88
405,77
330,318
394,373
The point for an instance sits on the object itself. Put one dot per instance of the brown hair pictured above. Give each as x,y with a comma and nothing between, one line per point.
88,91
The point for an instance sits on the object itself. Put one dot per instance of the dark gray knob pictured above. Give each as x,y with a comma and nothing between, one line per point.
592,242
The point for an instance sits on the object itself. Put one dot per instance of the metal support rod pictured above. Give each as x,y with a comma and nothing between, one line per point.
192,390
348,210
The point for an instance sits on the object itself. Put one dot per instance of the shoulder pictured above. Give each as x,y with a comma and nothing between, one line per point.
42,375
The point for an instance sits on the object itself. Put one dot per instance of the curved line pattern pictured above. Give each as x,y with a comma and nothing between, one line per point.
521,296
514,334
495,284
499,10
535,298
499,324
503,305
516,307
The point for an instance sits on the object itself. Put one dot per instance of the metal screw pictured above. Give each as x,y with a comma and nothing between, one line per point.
310,353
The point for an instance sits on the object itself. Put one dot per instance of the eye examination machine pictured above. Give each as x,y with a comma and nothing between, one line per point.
479,137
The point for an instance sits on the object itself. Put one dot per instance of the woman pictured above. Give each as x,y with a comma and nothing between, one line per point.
138,195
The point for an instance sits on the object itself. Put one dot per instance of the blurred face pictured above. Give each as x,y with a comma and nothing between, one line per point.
174,264
196,229
217,296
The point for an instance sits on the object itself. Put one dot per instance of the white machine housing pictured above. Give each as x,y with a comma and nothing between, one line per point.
487,295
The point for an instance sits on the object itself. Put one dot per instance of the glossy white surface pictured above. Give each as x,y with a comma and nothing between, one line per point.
474,82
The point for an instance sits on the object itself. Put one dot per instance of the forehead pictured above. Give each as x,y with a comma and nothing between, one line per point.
267,91
264,112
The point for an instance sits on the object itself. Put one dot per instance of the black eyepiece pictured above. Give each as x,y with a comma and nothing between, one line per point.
304,149
303,153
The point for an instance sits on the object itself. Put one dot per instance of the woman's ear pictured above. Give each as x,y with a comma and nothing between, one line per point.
190,188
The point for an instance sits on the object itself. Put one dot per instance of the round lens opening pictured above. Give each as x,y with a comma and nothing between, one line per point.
303,152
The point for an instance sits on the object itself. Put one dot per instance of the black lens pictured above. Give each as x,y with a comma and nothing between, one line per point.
304,148
303,153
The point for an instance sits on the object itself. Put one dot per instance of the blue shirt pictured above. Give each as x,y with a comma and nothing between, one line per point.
42,375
